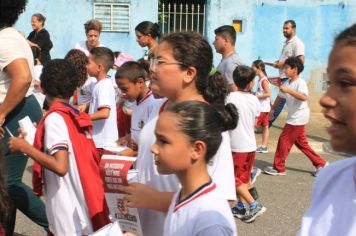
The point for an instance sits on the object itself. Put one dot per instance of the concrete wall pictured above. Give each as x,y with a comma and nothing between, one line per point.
66,18
318,21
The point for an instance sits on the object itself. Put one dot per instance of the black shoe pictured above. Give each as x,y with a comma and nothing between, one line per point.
254,193
254,213
239,213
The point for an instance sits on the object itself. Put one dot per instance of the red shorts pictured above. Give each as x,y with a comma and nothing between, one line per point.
263,119
243,163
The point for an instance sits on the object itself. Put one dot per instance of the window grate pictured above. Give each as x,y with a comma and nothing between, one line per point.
115,17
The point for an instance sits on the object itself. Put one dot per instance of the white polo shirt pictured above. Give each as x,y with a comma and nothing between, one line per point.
104,130
298,111
242,138
66,207
220,168
292,48
204,212
333,206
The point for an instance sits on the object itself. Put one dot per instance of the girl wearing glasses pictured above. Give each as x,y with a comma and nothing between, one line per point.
147,34
179,72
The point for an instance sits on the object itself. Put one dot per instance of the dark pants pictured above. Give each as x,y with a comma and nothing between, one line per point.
15,163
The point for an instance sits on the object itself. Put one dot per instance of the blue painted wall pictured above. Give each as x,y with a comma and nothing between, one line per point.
317,21
66,18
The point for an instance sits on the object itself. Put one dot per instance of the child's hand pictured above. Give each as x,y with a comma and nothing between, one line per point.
83,107
122,141
133,145
16,143
140,195
284,89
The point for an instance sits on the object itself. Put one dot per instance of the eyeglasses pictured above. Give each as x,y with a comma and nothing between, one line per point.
154,62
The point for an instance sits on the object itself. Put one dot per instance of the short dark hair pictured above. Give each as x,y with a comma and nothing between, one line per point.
93,25
40,18
295,62
132,71
10,11
205,122
149,28
243,75
104,56
292,22
59,78
347,36
227,31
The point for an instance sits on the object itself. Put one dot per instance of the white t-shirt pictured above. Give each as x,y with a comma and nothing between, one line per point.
13,46
265,104
220,169
242,138
142,113
333,205
104,130
204,212
40,97
82,46
291,48
66,208
85,91
228,65
298,111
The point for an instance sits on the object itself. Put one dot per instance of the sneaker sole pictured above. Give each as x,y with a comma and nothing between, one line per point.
274,174
253,180
263,210
238,216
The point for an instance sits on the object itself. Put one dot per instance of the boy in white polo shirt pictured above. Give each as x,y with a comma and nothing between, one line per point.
295,91
102,107
243,142
131,78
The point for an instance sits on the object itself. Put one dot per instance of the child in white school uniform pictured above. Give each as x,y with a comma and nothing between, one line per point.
102,107
333,206
75,202
131,80
295,91
243,143
263,94
188,135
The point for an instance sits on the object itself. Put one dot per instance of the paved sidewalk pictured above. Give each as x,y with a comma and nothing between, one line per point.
286,197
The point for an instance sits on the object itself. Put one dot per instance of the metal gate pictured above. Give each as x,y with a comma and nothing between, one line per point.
176,17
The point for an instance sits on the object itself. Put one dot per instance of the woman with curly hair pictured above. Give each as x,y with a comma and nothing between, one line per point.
16,102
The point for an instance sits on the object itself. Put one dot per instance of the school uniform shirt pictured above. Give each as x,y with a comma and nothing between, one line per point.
82,46
293,47
242,138
298,111
204,212
104,130
84,93
265,104
220,168
13,46
66,208
142,113
333,204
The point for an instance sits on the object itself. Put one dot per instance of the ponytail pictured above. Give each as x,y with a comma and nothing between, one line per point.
214,89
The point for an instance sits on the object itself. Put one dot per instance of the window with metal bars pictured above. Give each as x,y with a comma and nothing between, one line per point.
115,17
176,16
